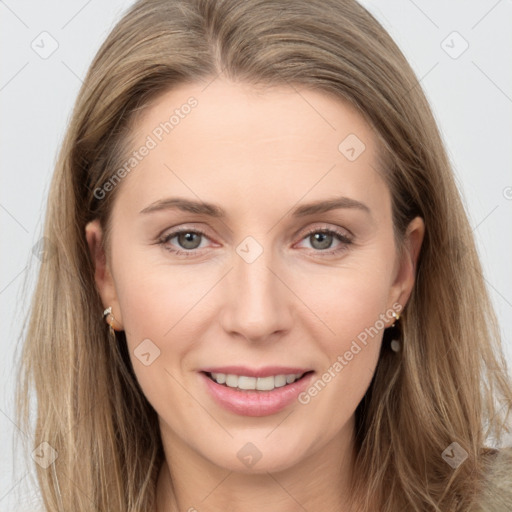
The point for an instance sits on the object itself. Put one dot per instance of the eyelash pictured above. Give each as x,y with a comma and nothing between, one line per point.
344,239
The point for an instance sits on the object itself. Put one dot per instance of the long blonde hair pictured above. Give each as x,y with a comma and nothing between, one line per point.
448,384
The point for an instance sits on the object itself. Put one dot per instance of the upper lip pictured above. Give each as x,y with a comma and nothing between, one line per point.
266,371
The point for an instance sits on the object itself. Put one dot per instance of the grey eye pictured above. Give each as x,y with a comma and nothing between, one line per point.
321,240
186,239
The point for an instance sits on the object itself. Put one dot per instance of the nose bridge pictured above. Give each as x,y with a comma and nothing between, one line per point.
256,305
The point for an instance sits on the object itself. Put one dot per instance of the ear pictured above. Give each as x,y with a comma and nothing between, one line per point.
406,271
102,274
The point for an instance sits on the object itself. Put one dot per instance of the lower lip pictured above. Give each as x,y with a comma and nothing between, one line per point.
256,403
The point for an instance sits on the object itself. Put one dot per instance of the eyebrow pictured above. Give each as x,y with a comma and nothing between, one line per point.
213,210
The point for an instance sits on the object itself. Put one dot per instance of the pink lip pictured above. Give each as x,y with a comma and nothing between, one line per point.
253,402
267,371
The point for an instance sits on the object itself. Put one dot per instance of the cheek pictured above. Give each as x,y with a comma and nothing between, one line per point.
350,354
158,304
155,296
352,304
347,300
159,332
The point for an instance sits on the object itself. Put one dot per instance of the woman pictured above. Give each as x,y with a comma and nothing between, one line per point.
263,292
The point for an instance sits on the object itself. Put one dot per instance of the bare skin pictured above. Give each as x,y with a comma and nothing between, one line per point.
258,155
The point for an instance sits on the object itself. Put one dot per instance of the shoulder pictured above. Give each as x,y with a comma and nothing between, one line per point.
496,495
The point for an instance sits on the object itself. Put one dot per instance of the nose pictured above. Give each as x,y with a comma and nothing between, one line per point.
257,304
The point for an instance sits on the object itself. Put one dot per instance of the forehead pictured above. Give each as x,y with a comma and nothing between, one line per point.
227,113
240,141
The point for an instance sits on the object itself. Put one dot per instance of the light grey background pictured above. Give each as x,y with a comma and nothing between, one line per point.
471,96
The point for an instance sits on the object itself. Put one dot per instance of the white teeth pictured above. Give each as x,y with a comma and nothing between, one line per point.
280,381
220,377
257,383
247,382
265,383
232,381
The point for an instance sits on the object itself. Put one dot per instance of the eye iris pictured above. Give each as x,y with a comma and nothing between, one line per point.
187,242
325,240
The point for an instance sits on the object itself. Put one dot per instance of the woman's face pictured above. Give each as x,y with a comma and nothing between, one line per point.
286,265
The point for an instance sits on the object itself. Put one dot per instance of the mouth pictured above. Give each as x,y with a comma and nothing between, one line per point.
249,383
261,395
